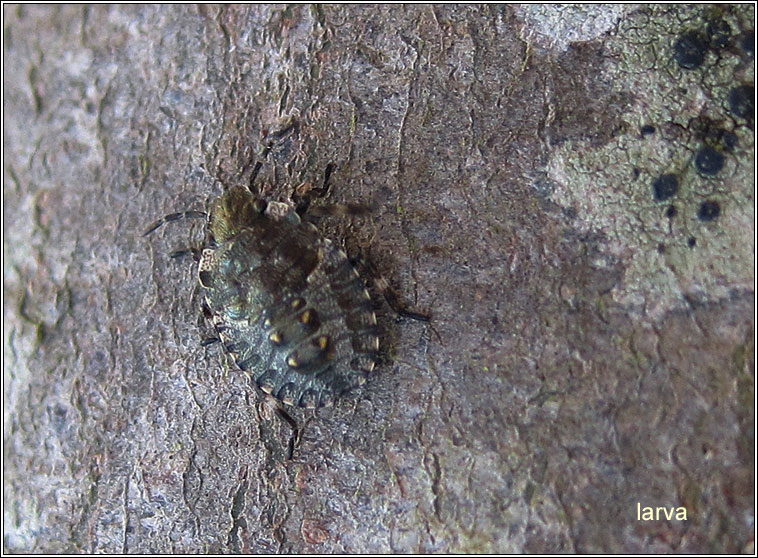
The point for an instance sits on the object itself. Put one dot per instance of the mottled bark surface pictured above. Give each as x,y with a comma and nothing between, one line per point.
590,348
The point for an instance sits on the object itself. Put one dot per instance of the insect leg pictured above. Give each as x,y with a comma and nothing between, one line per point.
195,252
295,438
272,403
383,286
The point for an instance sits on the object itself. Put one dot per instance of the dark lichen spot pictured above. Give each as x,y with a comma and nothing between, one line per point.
691,241
647,130
661,248
544,187
741,101
712,133
671,212
747,43
728,140
665,186
708,161
724,138
690,49
709,210
719,33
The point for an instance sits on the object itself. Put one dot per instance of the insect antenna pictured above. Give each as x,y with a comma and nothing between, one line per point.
275,137
175,217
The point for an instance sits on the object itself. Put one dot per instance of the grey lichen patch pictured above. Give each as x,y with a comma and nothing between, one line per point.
675,246
556,27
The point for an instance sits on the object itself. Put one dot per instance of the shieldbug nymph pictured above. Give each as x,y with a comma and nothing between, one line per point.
287,304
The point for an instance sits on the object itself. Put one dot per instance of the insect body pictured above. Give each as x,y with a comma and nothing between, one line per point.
287,304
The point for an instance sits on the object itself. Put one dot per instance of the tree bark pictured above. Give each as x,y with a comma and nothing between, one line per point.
589,349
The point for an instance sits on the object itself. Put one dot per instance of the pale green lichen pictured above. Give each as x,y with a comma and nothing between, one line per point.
610,187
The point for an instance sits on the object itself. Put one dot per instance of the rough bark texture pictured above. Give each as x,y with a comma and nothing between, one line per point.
590,348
